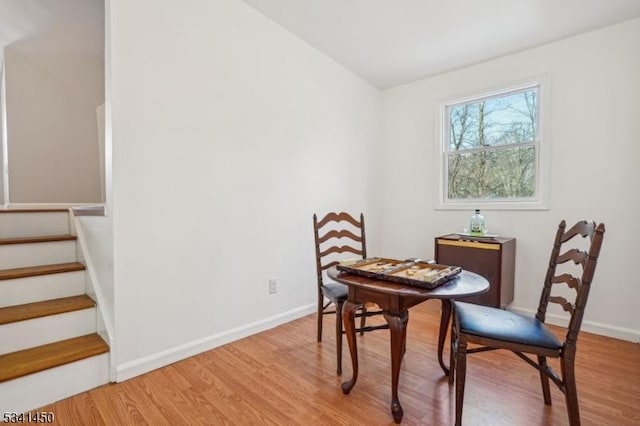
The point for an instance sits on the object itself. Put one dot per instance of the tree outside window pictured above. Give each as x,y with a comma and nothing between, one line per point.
491,145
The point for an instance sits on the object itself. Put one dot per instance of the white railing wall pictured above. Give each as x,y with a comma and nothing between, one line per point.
95,250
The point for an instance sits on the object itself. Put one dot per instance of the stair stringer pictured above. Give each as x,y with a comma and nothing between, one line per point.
94,285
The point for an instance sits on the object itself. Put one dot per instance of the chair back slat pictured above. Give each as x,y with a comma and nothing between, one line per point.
330,264
577,256
336,234
342,233
568,279
562,302
585,228
339,217
585,262
340,250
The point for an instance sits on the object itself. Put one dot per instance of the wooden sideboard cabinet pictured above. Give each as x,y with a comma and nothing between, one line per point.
494,259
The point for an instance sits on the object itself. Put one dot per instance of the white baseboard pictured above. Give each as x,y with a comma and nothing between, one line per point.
588,326
144,365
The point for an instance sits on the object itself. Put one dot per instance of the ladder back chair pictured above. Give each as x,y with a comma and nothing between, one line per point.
528,337
337,234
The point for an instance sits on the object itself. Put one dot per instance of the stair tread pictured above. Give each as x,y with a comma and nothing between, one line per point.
33,360
32,271
33,210
28,311
37,239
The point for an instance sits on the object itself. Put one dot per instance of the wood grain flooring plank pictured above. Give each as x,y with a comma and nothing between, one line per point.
78,411
172,403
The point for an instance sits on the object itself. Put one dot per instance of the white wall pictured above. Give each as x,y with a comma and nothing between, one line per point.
100,128
594,173
97,236
228,134
2,134
52,97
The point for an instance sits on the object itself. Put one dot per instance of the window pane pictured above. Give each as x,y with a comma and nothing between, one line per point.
500,173
504,120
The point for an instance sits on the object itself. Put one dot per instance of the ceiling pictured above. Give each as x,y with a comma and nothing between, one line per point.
386,42
390,43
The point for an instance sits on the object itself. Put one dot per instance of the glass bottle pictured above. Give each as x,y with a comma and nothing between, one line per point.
477,224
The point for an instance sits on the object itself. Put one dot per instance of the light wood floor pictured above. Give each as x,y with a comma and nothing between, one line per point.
284,377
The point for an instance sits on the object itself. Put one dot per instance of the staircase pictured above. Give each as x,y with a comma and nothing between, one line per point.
49,346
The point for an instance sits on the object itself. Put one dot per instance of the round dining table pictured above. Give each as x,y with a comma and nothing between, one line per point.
395,299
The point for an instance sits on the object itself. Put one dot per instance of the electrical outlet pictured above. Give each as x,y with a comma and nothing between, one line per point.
273,285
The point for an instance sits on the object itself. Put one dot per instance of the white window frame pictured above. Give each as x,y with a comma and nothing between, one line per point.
539,201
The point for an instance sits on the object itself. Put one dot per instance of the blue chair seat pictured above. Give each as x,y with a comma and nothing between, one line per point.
336,291
504,325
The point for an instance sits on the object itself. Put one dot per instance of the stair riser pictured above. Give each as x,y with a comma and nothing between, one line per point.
43,287
33,224
39,331
33,254
43,388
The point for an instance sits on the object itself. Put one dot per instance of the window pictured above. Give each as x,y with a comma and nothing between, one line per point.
491,150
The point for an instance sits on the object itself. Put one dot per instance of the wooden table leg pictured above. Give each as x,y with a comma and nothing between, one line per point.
349,319
397,327
444,326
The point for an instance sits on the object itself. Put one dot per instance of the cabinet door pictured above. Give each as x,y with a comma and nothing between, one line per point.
483,259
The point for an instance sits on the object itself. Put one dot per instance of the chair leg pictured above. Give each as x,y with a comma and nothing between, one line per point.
404,336
320,314
544,380
339,337
570,391
453,351
461,371
363,319
452,364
